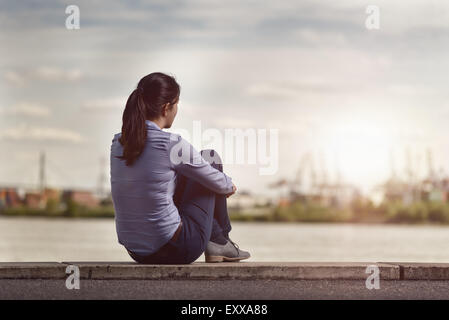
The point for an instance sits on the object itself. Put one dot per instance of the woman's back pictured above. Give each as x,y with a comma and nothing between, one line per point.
145,214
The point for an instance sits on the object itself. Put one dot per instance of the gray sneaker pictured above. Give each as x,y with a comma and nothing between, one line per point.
224,252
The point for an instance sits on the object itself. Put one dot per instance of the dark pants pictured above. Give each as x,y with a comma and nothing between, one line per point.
204,216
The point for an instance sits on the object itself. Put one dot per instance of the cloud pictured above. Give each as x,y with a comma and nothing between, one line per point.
411,89
25,132
106,104
28,110
44,73
289,89
14,78
57,74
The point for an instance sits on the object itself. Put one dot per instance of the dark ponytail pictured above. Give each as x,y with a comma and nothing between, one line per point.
145,103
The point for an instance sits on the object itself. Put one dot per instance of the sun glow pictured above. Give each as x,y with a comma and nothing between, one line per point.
361,148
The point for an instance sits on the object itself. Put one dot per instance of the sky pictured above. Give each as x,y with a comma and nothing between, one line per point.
360,101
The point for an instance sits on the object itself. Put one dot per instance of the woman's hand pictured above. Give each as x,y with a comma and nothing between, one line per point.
234,189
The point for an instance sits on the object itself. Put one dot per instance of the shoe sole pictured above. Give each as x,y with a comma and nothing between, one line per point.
223,259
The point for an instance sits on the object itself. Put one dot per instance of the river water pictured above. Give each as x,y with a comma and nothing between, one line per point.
43,239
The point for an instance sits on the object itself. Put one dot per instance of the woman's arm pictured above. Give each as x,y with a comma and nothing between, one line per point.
186,160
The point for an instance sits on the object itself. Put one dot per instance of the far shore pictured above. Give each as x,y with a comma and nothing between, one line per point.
418,213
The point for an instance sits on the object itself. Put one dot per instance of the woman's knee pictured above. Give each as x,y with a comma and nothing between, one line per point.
212,156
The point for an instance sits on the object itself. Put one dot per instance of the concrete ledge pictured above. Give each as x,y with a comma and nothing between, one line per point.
428,271
220,271
211,271
32,270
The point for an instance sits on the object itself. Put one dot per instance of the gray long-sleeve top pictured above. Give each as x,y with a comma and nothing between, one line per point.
145,214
